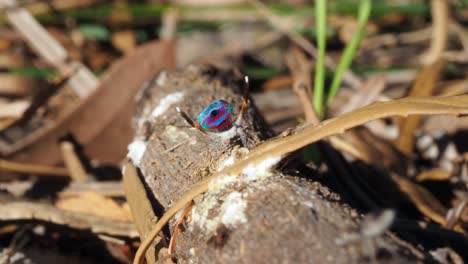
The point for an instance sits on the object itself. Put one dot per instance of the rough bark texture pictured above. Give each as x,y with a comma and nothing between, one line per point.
260,217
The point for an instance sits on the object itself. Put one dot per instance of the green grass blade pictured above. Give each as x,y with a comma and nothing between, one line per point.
350,50
321,27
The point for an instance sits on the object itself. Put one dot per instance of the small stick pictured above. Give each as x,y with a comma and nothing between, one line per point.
301,70
177,226
72,162
440,25
32,168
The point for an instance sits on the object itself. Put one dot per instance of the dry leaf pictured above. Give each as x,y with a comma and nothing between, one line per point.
278,82
373,149
423,86
93,203
102,122
422,198
124,41
433,175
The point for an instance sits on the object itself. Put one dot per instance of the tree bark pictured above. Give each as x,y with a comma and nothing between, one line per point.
263,216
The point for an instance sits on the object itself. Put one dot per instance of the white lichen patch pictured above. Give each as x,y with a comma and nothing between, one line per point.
233,209
199,214
136,150
220,182
236,154
166,102
192,251
232,212
177,135
226,163
261,170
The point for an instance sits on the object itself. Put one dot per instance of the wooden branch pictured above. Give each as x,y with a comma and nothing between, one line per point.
27,211
6,165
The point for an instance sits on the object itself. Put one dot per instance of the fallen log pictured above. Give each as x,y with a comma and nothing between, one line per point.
265,215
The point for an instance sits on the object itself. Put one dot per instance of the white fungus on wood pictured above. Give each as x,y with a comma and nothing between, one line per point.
167,102
136,150
176,135
261,170
232,210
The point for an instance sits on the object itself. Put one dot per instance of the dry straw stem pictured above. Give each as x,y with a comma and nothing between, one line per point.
104,188
72,162
43,7
426,203
301,70
83,82
27,211
368,93
440,25
32,168
349,77
455,105
437,174
423,86
454,214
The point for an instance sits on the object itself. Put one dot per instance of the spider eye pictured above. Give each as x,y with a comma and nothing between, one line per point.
214,113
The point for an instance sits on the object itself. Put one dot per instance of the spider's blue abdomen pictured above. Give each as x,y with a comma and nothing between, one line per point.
216,117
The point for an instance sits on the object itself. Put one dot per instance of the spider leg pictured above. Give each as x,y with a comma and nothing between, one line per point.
245,101
190,121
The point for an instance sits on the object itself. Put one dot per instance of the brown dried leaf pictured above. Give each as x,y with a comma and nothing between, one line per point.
93,203
372,149
102,122
433,175
424,200
124,41
278,82
423,86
